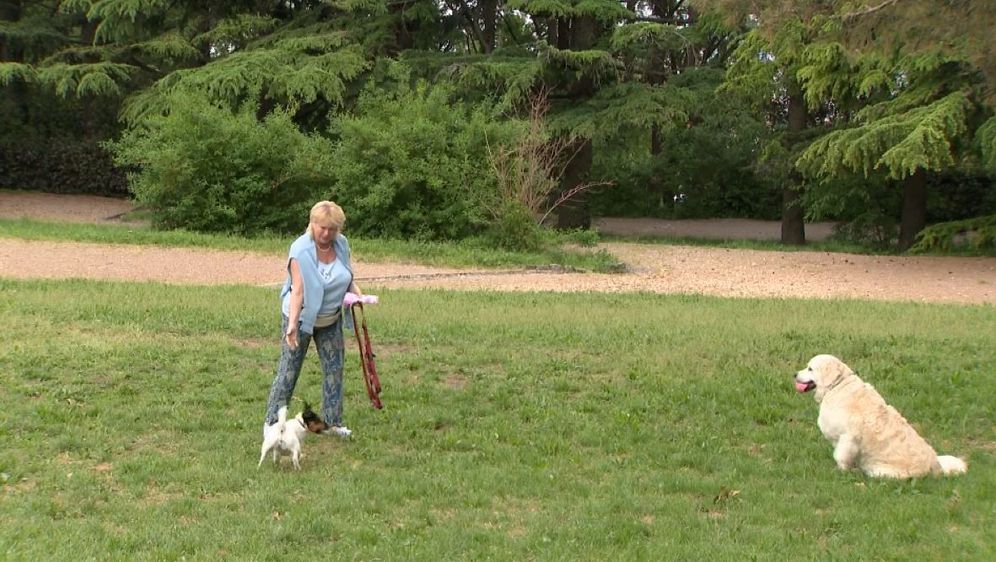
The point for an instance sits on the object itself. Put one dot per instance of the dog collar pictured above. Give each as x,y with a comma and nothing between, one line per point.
839,382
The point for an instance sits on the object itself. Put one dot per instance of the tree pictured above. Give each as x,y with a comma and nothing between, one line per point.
608,70
961,29
666,55
30,32
304,54
764,71
940,82
902,142
909,96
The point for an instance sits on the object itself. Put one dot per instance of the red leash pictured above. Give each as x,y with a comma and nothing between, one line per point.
370,377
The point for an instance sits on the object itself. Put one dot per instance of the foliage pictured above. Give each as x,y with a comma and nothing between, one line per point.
289,69
922,137
897,97
61,166
918,116
528,172
864,208
32,115
602,10
986,138
525,175
637,41
84,53
764,74
205,168
977,233
625,108
960,195
616,73
514,228
917,27
708,144
412,163
507,74
756,69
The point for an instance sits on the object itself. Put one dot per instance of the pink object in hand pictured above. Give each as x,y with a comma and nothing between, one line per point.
352,298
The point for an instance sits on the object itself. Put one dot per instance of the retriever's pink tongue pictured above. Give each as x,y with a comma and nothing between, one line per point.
801,387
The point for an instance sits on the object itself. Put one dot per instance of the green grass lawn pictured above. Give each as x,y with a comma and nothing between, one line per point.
516,426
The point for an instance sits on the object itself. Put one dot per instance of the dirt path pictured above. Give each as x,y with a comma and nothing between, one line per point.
652,268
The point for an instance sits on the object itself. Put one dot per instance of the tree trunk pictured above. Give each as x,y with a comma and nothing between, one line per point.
577,33
793,218
914,216
9,11
17,91
552,31
404,30
88,31
563,34
574,212
489,24
656,183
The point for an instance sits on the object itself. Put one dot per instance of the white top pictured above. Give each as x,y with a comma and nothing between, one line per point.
335,281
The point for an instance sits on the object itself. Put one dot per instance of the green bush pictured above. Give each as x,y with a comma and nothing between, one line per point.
62,165
208,169
516,229
958,195
975,235
413,163
866,209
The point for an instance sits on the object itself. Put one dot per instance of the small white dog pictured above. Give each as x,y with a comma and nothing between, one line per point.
867,432
284,437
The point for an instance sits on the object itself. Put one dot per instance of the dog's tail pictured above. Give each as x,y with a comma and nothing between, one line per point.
270,439
951,465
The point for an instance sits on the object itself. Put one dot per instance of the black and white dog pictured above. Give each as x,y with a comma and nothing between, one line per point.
284,437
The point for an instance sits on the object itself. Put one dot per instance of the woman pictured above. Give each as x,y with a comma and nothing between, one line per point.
319,275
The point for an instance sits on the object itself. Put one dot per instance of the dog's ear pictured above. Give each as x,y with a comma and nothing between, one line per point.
834,371
313,421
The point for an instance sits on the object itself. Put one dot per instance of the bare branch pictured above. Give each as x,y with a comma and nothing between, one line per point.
530,171
868,10
571,193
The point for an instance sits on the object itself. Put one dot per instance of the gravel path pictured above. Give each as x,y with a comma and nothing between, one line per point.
652,268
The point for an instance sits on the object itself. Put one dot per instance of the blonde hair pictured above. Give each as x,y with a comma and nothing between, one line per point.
326,213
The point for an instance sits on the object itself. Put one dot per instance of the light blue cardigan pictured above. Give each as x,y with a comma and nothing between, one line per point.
304,251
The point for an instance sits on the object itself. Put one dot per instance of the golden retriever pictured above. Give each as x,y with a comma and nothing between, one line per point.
866,432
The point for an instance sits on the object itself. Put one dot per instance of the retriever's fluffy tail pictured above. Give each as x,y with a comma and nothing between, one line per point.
951,465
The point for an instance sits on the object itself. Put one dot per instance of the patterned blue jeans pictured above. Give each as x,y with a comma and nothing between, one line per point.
328,341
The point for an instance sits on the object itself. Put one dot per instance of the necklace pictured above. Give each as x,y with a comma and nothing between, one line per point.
325,249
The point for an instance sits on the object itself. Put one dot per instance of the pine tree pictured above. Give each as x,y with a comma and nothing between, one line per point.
910,96
764,70
302,53
606,67
920,113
